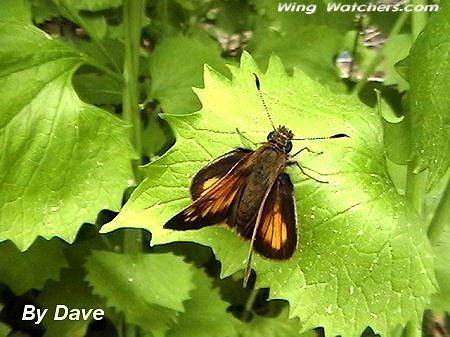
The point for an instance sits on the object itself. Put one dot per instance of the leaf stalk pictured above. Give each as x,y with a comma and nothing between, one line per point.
132,19
418,19
440,217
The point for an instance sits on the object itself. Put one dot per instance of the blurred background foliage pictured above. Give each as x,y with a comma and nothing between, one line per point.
348,53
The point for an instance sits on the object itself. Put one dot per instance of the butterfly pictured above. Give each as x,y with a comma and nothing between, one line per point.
249,191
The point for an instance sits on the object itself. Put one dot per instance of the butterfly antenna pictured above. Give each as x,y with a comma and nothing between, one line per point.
258,86
339,135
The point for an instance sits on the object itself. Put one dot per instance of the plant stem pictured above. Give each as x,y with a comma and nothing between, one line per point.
410,331
132,13
376,61
419,19
131,330
132,18
415,188
415,184
440,217
250,301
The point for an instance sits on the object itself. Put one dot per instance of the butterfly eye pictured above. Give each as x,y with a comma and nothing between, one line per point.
270,135
288,147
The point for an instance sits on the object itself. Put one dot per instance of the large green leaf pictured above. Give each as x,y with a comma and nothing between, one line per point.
429,77
95,24
395,50
4,329
15,10
276,326
96,5
205,312
98,89
73,292
363,259
309,42
167,83
62,160
149,295
43,261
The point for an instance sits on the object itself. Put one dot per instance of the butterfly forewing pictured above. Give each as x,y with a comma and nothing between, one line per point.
213,172
214,189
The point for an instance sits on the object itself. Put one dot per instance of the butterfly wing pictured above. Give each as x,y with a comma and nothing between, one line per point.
276,235
213,189
213,172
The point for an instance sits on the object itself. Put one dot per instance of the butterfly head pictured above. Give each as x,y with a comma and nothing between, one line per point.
281,138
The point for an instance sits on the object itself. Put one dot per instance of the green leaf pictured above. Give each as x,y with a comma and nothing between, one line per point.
289,20
309,42
174,76
4,329
205,313
43,261
441,300
93,23
62,160
72,292
395,132
149,295
429,77
110,54
362,259
395,50
96,5
15,10
315,59
43,10
97,89
277,326
440,236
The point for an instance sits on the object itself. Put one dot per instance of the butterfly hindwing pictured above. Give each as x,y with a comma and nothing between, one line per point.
276,235
213,190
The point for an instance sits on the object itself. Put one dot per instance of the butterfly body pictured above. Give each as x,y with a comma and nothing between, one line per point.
249,191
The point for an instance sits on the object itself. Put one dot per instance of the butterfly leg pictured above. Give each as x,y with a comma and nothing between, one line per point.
307,149
294,162
246,139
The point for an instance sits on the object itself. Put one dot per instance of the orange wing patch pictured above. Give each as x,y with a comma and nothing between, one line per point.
212,206
217,198
208,183
276,235
274,229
